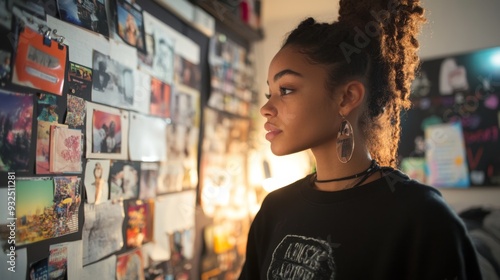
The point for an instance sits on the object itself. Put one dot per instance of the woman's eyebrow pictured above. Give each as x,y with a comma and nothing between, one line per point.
285,72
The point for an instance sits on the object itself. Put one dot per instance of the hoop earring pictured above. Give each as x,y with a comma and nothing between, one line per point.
345,141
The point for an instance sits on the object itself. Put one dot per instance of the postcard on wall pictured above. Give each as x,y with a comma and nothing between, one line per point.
39,269
40,63
142,92
80,80
124,179
445,156
34,199
160,98
149,179
43,146
139,222
65,150
147,142
102,230
75,115
67,198
160,47
85,13
187,73
58,261
130,265
47,108
96,180
104,269
80,42
16,121
107,132
129,24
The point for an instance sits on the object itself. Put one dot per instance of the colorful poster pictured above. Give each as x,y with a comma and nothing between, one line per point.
130,265
445,156
67,198
16,120
58,262
139,222
35,211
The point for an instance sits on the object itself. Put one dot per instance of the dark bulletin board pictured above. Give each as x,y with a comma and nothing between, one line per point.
462,88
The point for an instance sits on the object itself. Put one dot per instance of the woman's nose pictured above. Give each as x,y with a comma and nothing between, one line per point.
268,109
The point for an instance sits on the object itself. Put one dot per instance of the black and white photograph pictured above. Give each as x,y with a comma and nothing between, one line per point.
112,82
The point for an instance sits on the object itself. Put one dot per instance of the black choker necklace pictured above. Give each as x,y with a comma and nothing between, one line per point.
372,168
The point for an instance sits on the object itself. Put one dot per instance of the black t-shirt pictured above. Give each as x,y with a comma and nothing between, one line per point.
391,228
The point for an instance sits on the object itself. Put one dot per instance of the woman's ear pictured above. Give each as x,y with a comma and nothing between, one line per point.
352,96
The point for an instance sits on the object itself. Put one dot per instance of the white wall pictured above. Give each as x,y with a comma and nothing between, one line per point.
454,27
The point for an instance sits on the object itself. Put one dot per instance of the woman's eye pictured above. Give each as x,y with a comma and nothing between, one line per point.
285,91
267,95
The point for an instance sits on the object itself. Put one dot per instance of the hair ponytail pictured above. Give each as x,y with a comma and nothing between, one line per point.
374,40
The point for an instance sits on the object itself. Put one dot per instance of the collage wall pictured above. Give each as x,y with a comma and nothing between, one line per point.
112,135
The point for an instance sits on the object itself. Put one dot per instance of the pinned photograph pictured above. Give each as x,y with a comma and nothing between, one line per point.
35,211
130,265
16,120
139,222
160,99
112,82
107,132
130,26
163,61
96,181
102,230
187,72
47,106
67,198
85,13
147,142
65,150
43,146
76,110
80,80
149,179
124,178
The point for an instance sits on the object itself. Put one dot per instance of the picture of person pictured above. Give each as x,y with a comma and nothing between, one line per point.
106,133
130,26
163,63
101,187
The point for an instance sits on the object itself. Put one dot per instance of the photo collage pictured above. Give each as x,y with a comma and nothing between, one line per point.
100,122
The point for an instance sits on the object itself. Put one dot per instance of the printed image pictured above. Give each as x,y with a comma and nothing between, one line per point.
96,181
124,179
85,13
39,269
47,106
65,150
160,99
58,262
80,80
112,82
184,106
149,179
130,25
5,70
16,114
139,223
43,146
187,73
35,211
163,59
130,265
75,116
102,230
106,132
67,198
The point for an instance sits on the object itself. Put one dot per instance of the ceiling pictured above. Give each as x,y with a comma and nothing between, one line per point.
279,10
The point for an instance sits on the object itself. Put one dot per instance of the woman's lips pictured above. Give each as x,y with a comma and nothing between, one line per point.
272,131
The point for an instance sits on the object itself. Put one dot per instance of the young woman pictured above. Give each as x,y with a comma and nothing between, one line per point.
338,90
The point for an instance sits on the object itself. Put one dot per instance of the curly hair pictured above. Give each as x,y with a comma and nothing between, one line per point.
373,41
